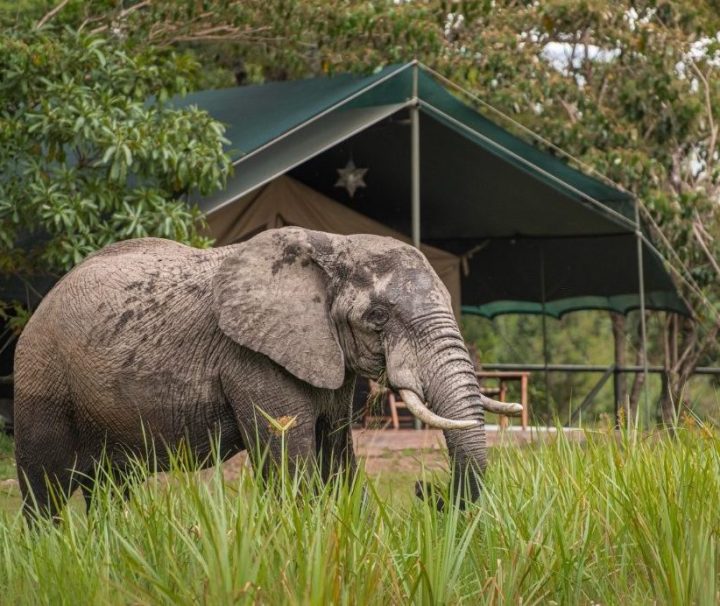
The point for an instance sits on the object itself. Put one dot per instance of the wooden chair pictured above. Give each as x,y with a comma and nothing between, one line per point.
499,392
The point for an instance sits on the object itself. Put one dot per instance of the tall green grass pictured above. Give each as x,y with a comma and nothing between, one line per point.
616,520
7,462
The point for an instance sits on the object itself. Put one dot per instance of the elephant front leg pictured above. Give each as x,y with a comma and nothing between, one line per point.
277,423
334,447
333,433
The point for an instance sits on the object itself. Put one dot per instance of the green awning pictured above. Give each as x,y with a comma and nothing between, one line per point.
534,233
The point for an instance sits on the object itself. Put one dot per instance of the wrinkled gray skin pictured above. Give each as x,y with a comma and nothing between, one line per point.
152,338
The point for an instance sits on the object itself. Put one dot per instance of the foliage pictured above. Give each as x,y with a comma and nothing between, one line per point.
602,522
15,316
86,159
266,40
577,338
7,457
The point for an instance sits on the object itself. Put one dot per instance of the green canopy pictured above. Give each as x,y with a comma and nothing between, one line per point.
534,234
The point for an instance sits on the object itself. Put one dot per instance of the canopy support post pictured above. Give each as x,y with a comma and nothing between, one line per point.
415,160
415,168
641,289
546,356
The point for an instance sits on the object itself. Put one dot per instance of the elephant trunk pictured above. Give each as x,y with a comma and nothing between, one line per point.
452,391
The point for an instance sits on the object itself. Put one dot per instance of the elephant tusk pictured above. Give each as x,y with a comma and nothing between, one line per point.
503,408
422,412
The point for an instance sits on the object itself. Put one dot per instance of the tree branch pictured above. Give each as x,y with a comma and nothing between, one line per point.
123,13
603,90
51,14
687,353
571,110
203,27
676,179
697,232
169,33
690,362
709,110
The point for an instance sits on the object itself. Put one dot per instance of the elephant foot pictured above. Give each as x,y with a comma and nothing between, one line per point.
425,491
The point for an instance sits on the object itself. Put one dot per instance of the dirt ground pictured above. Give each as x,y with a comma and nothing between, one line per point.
408,451
395,451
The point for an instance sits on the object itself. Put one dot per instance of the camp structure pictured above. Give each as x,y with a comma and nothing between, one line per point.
509,227
396,153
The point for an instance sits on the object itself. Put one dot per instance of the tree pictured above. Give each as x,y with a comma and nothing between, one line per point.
91,152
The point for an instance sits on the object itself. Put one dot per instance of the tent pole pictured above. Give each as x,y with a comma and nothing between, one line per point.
415,169
415,160
544,328
641,288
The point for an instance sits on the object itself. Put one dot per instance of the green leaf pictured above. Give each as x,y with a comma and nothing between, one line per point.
109,153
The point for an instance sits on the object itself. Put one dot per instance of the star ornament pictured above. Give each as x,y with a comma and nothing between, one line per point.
351,177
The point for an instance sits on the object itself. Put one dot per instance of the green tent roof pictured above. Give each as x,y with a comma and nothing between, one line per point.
534,233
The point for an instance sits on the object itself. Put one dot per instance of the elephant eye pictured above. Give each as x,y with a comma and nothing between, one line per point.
378,317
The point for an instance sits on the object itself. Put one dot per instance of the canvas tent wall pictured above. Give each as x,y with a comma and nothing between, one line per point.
285,201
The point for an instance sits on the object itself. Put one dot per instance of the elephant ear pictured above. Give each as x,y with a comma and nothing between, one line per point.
272,296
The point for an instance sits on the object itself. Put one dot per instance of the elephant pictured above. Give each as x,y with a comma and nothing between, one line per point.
149,337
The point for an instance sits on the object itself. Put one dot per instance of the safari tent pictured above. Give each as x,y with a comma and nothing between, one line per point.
510,227
514,228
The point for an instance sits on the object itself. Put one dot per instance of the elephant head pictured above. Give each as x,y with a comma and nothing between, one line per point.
320,304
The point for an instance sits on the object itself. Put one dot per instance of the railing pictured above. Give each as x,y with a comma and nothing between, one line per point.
607,372
700,370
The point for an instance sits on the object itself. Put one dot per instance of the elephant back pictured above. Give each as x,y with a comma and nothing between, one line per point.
140,286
